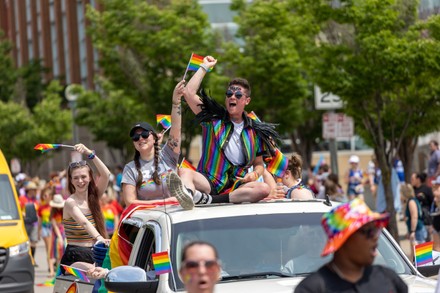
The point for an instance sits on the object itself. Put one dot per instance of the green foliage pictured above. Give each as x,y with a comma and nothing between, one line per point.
384,64
22,130
271,60
7,71
144,49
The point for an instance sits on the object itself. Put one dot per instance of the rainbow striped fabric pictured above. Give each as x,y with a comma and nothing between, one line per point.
164,120
278,164
44,147
213,161
253,116
161,262
195,61
423,253
186,164
81,274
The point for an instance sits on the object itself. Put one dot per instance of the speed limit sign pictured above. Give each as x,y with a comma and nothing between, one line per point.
326,101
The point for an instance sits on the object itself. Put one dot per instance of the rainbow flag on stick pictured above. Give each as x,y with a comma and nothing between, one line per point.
161,262
44,147
423,253
194,63
186,164
164,120
81,274
253,116
278,164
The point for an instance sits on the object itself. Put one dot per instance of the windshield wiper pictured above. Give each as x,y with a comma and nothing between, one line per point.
259,275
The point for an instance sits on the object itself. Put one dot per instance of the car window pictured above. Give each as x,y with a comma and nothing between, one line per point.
283,244
8,205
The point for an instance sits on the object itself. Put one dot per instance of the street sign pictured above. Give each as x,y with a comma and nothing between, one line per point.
335,125
326,101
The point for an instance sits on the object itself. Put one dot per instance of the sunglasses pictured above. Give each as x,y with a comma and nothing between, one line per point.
145,134
370,232
238,94
194,265
74,165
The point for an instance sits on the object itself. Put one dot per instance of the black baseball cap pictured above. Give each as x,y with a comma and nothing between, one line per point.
143,125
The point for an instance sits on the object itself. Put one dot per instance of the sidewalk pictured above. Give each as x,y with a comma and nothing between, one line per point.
41,271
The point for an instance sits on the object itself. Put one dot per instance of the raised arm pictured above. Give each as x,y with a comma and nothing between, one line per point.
175,137
193,85
101,168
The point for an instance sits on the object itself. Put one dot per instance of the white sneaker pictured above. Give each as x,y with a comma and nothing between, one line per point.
177,189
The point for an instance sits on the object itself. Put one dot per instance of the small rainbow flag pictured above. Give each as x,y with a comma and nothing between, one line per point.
278,164
195,61
253,116
186,164
161,262
76,272
47,283
164,120
44,147
423,253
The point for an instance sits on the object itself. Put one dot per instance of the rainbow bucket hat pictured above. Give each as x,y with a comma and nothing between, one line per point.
344,220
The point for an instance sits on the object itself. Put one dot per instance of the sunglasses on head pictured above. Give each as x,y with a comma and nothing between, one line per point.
238,94
370,232
74,165
194,265
145,134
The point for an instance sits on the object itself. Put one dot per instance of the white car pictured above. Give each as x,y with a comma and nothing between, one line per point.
263,247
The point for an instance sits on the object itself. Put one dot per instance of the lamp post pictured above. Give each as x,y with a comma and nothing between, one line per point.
72,96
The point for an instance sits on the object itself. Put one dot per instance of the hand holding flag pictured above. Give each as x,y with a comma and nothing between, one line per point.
195,63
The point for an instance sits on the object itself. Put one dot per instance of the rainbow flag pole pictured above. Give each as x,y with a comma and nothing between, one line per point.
44,147
423,253
187,66
161,262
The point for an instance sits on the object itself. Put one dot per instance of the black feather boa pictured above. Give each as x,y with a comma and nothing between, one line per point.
213,110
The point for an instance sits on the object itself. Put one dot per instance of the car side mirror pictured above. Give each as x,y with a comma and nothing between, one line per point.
429,271
129,279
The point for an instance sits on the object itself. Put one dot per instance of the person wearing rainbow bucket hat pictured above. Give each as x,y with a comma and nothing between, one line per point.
353,232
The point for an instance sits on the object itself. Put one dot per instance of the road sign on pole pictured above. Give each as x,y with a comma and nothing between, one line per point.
326,101
336,125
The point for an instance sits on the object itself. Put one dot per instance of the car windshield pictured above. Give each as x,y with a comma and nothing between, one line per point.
266,246
8,205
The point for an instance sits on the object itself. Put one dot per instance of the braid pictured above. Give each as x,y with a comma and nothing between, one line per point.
138,168
156,160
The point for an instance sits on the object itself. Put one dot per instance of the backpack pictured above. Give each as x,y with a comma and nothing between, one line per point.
30,215
426,216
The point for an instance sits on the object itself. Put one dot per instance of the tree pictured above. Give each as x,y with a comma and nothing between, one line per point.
384,64
270,61
22,130
7,70
144,49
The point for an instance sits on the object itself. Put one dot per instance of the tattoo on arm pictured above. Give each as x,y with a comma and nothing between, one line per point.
173,142
179,109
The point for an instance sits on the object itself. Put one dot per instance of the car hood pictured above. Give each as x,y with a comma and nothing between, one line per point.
286,285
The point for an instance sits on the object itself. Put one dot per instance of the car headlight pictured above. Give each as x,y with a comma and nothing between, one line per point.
19,249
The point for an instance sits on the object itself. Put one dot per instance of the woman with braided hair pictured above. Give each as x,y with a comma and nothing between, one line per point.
142,178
